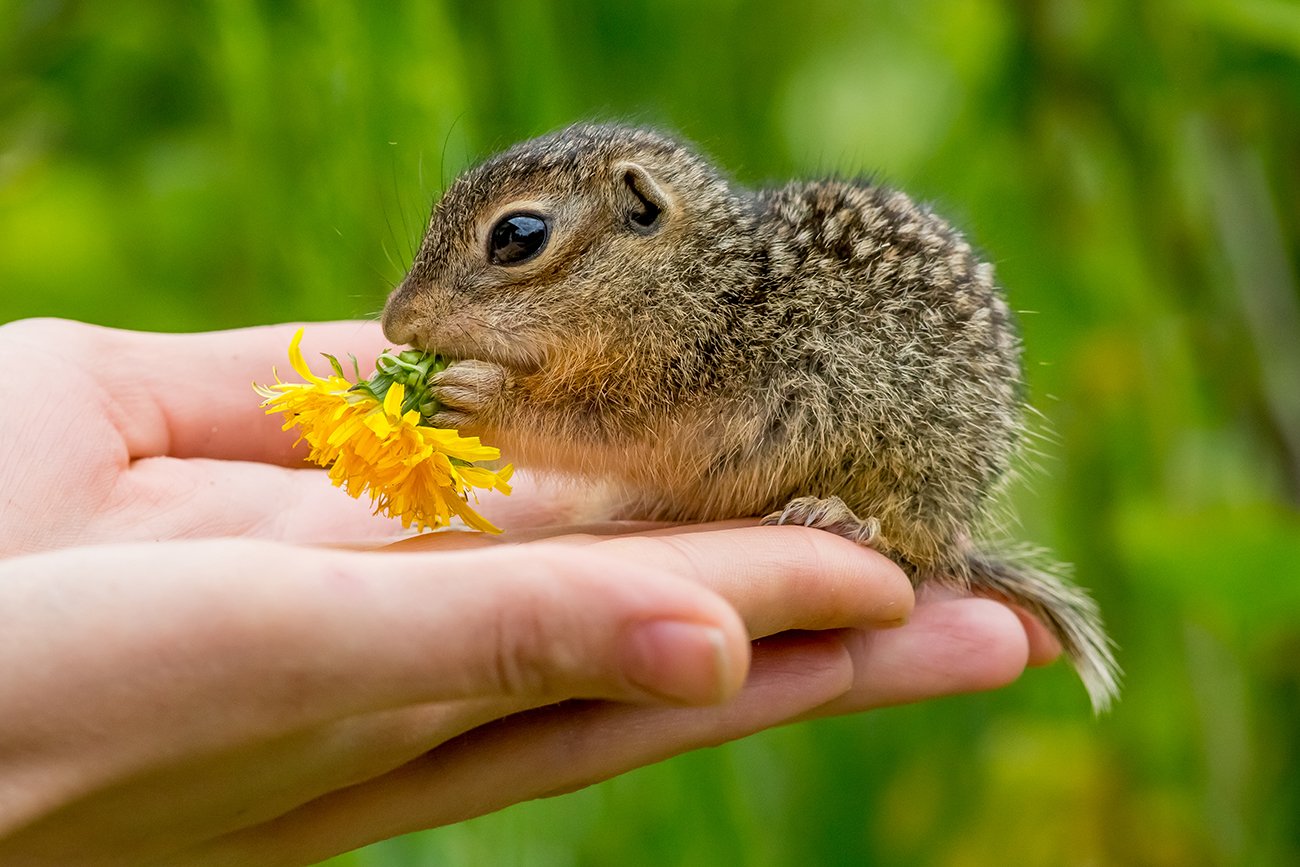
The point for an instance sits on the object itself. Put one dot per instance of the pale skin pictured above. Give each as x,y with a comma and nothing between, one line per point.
211,656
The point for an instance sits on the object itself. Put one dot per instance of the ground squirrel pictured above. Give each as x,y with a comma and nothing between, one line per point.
827,353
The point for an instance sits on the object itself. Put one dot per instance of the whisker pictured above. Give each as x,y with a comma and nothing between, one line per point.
383,278
389,256
442,160
401,211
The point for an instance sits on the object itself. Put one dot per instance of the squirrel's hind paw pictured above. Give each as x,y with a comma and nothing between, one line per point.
830,514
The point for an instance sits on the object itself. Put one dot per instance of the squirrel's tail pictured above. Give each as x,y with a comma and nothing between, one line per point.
1066,610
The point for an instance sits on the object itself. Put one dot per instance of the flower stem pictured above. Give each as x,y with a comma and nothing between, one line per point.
413,369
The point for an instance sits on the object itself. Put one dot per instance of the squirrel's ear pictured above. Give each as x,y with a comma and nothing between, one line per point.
643,200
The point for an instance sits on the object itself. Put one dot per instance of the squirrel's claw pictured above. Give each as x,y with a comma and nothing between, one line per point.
830,514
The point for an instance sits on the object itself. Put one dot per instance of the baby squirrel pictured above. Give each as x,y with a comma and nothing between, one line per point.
828,353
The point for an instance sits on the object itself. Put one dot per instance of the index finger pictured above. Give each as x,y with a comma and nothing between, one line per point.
190,395
778,578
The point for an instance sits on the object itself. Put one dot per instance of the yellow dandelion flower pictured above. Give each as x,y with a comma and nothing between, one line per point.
373,437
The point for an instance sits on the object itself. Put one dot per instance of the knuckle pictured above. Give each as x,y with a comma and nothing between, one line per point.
534,652
519,665
553,640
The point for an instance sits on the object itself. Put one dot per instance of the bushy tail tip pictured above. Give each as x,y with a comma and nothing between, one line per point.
1066,610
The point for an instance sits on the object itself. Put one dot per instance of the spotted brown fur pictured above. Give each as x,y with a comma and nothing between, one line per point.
828,338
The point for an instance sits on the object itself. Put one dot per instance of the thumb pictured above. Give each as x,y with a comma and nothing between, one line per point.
291,636
125,656
550,622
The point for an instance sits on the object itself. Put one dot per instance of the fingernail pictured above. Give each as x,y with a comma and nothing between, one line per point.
899,618
677,661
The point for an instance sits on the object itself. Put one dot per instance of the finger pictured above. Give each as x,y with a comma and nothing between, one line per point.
285,638
1044,648
818,593
951,646
591,532
567,534
781,578
682,529
190,395
213,794
546,752
561,519
798,592
778,578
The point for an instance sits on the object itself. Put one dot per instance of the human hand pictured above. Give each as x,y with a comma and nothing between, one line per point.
229,700
180,701
126,436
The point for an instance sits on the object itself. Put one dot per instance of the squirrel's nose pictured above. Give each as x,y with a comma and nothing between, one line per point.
399,335
399,319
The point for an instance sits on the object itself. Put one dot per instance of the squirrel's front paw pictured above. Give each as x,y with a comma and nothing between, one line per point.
471,393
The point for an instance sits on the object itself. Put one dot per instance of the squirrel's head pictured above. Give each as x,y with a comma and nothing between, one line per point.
584,239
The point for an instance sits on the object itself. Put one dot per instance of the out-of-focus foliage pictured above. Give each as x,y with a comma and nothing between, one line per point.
1133,169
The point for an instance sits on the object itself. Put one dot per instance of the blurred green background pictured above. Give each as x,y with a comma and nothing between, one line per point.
1133,169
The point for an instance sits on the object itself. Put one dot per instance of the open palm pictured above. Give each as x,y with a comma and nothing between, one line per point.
200,675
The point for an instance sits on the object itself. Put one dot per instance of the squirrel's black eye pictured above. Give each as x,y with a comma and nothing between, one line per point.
516,238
